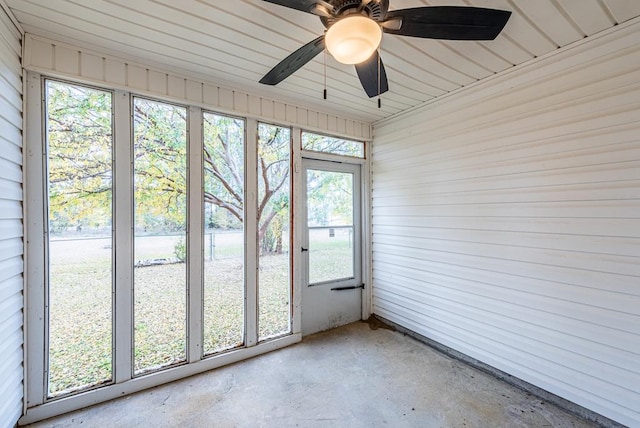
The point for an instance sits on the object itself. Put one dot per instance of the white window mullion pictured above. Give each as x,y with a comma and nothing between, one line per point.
297,177
251,233
123,239
195,225
367,238
35,243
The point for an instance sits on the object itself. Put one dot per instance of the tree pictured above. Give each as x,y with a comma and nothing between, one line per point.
79,145
160,165
333,145
80,160
223,158
273,186
224,175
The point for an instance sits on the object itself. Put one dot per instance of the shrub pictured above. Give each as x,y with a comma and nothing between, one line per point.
180,250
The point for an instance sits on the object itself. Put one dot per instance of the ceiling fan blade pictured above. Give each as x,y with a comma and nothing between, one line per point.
293,62
448,22
368,74
303,5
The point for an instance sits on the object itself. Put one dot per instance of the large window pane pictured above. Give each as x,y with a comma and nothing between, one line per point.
274,275
223,155
79,154
160,174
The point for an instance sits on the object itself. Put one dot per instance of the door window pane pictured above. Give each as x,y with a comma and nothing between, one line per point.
79,155
223,164
274,274
160,208
330,224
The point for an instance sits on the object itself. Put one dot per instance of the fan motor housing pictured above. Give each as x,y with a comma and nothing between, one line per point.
375,9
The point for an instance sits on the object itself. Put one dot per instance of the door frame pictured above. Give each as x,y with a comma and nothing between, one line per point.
365,222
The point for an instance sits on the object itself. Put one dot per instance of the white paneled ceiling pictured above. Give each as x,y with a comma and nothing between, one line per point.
235,42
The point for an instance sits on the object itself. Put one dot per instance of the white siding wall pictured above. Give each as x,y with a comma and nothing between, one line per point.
11,244
506,222
58,59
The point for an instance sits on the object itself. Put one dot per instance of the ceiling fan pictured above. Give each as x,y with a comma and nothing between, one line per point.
355,27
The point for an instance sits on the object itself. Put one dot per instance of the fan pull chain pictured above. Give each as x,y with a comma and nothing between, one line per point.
379,62
324,55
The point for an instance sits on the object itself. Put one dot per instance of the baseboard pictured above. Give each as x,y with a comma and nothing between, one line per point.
538,392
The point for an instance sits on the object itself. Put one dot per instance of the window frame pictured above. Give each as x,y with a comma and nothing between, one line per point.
293,265
132,99
47,239
246,241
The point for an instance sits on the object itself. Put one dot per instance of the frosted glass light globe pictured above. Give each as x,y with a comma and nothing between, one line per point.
353,39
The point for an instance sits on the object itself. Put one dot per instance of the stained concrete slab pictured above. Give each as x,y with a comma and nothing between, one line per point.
352,376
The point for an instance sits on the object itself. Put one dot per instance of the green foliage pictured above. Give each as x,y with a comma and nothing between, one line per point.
180,250
79,145
160,166
272,239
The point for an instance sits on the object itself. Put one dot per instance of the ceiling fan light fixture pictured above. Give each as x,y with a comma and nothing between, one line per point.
353,39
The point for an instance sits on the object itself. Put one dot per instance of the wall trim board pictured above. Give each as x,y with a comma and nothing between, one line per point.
11,16
65,61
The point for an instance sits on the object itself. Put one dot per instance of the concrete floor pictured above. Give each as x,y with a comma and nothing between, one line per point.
349,377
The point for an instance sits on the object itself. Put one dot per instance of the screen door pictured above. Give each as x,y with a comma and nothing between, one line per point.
331,245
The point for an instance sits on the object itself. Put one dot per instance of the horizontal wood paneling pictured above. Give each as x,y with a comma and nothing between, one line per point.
54,58
506,221
234,43
11,233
